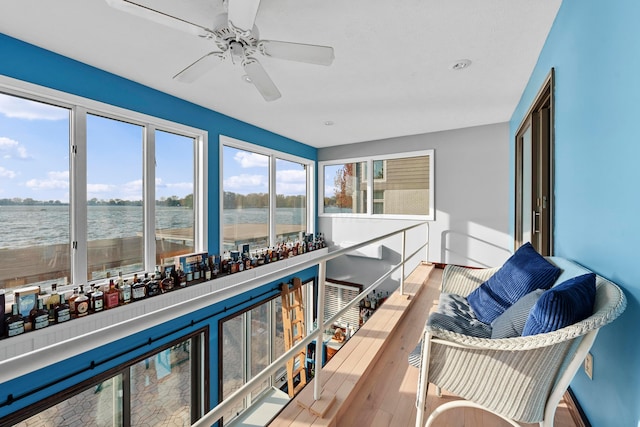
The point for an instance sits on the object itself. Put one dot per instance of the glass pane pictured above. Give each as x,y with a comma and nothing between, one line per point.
161,388
174,195
278,342
99,406
527,207
291,199
405,187
34,193
233,361
114,197
260,348
345,189
246,198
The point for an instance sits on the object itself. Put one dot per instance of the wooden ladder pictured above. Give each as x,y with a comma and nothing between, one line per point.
294,331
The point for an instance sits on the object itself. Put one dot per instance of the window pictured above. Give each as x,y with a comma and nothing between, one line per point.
249,342
175,215
34,192
92,190
397,186
115,219
163,388
345,188
266,195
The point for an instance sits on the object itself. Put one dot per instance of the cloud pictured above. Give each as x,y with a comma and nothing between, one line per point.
19,108
246,183
55,181
10,148
6,173
251,160
290,182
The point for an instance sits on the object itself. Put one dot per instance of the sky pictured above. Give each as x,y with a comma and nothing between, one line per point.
34,158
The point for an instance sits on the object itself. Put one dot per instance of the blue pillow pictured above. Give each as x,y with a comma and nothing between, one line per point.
562,305
525,271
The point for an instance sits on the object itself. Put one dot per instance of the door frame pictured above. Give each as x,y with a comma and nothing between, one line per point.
542,165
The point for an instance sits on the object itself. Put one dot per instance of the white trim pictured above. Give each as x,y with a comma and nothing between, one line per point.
79,108
369,181
273,155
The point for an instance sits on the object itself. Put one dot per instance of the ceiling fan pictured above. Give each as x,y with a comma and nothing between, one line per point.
236,37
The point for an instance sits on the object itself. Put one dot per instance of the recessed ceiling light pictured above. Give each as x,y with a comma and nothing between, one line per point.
246,79
460,65
329,123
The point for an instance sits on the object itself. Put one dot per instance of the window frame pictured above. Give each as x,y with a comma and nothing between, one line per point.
199,381
273,155
79,108
369,181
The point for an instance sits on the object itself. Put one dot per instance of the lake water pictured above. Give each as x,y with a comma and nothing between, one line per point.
24,226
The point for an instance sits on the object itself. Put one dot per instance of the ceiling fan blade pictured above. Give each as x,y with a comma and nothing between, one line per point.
200,67
242,14
310,53
261,79
158,16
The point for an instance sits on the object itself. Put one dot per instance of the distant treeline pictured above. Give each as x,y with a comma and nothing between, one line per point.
261,200
231,201
186,201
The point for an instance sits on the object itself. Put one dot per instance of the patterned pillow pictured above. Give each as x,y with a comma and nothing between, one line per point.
523,272
562,305
511,323
454,314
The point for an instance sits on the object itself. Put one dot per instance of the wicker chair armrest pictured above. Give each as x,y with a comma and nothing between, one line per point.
463,280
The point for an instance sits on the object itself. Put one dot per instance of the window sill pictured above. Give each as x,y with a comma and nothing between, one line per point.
27,352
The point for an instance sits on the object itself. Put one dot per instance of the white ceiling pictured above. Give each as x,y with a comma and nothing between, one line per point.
391,75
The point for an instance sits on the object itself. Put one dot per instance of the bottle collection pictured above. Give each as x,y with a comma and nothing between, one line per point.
370,304
58,307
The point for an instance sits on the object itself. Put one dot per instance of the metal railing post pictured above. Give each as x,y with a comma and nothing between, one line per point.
322,273
403,260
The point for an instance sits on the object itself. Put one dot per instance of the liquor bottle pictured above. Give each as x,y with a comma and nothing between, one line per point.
166,284
125,292
196,272
52,301
120,281
138,290
97,299
72,300
14,323
88,293
81,304
39,317
153,286
111,296
209,269
182,278
62,312
189,275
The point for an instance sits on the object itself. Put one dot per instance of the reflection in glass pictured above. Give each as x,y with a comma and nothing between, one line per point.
405,187
233,350
345,188
246,198
161,388
99,406
34,193
291,199
174,195
114,197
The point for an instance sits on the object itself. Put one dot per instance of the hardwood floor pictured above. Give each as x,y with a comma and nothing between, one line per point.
387,397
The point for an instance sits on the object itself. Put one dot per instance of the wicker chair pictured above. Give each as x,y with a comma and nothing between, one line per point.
518,379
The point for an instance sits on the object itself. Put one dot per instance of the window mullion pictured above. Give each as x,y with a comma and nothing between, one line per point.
78,194
369,200
149,198
272,200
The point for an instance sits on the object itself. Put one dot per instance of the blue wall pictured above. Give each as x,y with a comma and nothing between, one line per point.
594,47
35,65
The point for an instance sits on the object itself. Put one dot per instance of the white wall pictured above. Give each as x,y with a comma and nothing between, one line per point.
471,225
